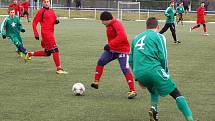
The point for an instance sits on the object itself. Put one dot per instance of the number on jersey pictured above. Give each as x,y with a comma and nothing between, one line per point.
140,43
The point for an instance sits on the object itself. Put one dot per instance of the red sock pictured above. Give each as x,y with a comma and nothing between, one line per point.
56,59
130,81
205,29
195,27
37,53
99,71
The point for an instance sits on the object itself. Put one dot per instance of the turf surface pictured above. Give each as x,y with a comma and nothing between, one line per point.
33,92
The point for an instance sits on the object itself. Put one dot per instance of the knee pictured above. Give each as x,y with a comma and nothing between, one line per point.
125,70
173,31
175,93
49,52
101,62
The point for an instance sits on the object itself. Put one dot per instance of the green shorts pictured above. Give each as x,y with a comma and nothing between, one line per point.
157,81
16,40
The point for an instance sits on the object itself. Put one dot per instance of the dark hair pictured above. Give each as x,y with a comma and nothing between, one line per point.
172,1
10,9
106,16
202,2
151,23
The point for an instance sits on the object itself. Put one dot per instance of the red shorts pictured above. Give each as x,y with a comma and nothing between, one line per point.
200,21
48,41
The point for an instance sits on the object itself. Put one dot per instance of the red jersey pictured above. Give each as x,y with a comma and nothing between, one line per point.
47,19
117,38
200,12
200,15
25,6
15,7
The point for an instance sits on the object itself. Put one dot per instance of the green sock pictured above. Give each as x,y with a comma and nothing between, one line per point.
184,108
154,101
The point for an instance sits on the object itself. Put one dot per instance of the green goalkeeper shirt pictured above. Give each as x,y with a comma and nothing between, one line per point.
11,26
148,51
170,15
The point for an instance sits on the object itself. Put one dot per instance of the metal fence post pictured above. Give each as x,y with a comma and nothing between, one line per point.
69,12
95,13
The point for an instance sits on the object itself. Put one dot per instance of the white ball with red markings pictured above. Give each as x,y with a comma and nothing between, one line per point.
78,89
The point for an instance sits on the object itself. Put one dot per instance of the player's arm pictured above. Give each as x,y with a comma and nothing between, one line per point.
3,27
121,35
183,10
177,10
36,20
56,20
28,4
19,9
204,13
162,52
130,60
21,28
166,13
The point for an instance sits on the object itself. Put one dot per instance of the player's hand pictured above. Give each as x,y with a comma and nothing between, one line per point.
57,22
4,36
106,47
37,38
22,30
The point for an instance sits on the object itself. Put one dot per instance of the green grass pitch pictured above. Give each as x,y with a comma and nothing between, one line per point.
33,92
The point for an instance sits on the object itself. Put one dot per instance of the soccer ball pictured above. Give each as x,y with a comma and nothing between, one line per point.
78,89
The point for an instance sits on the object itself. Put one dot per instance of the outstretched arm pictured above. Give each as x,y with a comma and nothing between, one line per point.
162,52
3,27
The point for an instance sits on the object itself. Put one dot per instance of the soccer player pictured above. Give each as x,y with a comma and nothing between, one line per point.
148,60
178,2
200,18
206,4
186,4
170,21
179,12
25,5
11,28
47,19
15,6
118,47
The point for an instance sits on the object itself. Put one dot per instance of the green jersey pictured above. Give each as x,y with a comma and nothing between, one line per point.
180,9
148,51
170,13
11,27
